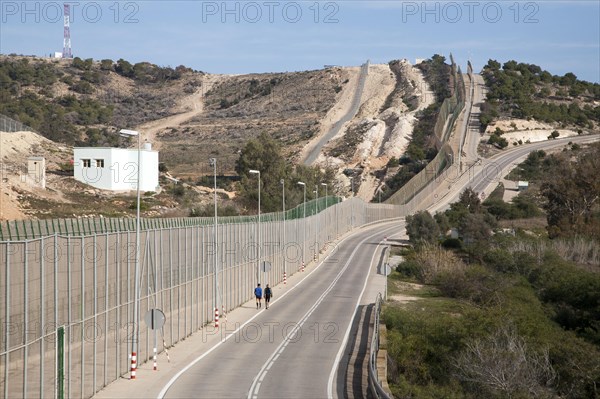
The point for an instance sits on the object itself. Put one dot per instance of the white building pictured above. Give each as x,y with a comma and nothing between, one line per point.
116,168
36,171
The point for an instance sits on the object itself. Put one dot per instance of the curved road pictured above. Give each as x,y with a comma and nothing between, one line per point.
292,349
483,175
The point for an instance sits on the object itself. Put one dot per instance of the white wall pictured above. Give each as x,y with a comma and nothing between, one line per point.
120,168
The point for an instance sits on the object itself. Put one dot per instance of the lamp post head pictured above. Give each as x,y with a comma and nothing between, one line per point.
282,182
324,184
126,132
302,183
212,161
254,172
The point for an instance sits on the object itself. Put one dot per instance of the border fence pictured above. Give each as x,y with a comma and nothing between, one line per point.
67,301
10,125
29,229
447,116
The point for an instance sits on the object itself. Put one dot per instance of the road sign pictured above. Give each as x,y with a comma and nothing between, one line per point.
265,266
155,319
388,269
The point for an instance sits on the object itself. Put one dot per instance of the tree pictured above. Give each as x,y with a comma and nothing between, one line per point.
470,199
422,228
124,68
106,65
264,154
502,364
573,200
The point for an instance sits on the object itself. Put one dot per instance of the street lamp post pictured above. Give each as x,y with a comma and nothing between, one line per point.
316,222
282,181
257,172
326,199
303,223
213,162
136,282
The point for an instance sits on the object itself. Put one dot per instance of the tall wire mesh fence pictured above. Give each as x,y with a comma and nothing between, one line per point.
10,125
80,290
447,116
29,229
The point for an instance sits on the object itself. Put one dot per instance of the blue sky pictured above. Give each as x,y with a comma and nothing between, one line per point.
272,36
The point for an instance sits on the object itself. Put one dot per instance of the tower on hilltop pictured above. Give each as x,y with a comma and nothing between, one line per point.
67,32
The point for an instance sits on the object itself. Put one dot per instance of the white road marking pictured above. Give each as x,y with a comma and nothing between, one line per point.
346,336
253,392
169,384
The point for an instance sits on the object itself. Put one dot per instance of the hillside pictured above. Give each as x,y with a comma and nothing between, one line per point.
526,103
190,116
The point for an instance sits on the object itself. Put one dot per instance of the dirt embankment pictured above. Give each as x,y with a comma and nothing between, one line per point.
516,130
382,128
15,148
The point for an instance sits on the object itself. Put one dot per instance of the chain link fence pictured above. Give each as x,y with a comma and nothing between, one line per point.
9,125
30,229
447,116
67,301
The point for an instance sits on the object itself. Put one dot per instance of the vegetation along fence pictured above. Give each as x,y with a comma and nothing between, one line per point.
29,229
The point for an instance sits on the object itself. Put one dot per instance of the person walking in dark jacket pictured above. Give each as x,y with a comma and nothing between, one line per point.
268,295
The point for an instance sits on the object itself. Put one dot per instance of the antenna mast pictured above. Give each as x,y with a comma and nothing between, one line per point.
67,32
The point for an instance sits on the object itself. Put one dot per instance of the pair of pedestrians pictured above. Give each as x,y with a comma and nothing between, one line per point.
258,293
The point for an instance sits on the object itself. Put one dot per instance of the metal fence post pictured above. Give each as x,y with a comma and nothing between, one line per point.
60,363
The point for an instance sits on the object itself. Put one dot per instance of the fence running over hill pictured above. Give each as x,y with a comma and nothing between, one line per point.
80,290
360,86
29,229
448,114
9,125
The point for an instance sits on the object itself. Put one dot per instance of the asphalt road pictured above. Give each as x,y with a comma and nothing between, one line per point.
484,175
293,349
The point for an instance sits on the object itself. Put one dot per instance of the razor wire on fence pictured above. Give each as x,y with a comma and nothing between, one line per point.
30,229
67,301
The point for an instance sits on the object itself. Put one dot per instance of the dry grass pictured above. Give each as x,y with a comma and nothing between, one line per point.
583,251
434,260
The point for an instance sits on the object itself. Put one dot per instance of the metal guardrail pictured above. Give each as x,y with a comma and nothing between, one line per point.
374,381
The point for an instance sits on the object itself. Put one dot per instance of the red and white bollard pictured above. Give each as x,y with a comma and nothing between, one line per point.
284,278
166,350
155,367
303,266
133,364
216,317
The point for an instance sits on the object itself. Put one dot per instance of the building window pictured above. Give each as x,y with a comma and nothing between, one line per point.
99,163
86,163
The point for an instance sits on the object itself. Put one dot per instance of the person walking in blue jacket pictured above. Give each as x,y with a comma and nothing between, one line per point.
258,294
